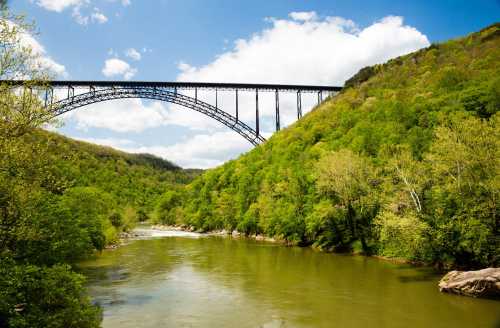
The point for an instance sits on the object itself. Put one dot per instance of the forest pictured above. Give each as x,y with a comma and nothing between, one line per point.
403,163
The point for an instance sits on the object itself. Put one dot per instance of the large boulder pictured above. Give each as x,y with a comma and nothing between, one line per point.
481,283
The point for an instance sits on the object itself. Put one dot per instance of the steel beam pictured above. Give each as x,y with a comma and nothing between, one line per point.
257,112
100,95
237,104
182,85
299,105
277,100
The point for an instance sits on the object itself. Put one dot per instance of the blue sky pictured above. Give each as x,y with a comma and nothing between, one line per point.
198,40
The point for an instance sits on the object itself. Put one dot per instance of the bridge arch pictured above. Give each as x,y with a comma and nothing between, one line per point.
153,93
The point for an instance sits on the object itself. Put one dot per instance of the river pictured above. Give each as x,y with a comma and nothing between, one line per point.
176,279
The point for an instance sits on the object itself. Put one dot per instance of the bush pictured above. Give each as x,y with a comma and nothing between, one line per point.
142,215
32,297
116,219
402,236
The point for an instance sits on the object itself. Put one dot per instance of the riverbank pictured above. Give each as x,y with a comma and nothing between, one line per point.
223,233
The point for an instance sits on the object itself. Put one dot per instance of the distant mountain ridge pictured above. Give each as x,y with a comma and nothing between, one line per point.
133,179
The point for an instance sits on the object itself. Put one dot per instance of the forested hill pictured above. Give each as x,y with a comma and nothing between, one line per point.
403,163
134,180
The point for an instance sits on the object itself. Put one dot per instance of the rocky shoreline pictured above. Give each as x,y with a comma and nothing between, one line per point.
224,233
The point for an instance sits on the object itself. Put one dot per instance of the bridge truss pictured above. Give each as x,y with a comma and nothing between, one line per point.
98,91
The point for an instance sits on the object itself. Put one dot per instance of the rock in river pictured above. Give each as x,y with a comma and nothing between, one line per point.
481,283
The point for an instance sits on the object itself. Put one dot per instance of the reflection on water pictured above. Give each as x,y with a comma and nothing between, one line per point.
219,282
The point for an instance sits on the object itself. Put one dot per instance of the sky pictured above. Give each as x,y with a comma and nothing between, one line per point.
322,42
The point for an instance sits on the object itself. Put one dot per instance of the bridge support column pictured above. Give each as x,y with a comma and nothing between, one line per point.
257,112
299,105
216,99
277,110
49,96
236,105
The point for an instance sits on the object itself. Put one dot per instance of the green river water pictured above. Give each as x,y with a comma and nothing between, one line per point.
193,281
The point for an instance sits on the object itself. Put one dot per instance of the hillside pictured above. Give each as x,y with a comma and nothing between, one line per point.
403,163
133,180
123,187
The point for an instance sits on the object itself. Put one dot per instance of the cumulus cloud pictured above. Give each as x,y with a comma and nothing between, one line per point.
79,6
116,67
94,17
302,49
133,54
42,60
59,5
303,15
200,151
98,17
307,50
124,115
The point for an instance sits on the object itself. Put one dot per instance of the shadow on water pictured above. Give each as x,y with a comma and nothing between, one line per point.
106,275
418,278
420,275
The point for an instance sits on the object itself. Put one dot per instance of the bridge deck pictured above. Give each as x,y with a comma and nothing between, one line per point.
187,85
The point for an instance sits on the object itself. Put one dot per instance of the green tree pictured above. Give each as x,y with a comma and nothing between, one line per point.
33,296
350,181
35,231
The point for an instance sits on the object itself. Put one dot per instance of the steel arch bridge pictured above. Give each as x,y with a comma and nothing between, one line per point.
99,91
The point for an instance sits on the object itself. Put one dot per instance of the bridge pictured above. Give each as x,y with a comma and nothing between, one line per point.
171,92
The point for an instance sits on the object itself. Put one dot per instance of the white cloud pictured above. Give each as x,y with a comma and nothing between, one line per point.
133,54
302,49
41,59
117,67
98,17
303,15
305,50
78,17
124,115
126,3
200,151
59,5
308,51
95,17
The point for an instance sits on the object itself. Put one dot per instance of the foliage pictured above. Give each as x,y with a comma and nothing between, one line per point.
60,200
33,296
402,163
402,236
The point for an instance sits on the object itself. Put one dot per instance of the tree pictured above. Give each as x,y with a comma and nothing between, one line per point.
463,202
37,234
33,296
349,180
